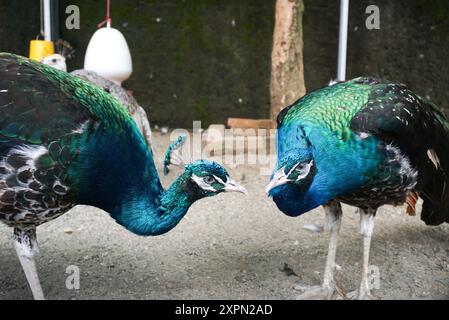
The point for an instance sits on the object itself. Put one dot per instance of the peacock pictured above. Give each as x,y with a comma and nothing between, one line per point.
64,142
366,142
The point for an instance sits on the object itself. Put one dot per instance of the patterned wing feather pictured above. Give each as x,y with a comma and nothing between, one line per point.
47,119
400,117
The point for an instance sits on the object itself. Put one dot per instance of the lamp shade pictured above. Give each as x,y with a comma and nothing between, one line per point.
108,55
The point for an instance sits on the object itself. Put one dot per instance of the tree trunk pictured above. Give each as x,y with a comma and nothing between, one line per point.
287,69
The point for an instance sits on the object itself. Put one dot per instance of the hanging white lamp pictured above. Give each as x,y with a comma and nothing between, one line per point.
108,54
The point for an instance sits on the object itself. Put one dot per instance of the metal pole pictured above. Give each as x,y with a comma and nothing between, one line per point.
55,21
343,40
47,20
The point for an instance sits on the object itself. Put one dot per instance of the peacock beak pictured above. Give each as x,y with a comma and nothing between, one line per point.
232,186
279,178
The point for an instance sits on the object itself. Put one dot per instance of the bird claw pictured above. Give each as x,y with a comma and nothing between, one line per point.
355,295
315,292
314,227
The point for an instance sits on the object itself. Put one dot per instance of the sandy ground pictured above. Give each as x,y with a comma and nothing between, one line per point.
227,247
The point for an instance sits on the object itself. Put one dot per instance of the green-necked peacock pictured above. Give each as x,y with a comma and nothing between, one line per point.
365,142
65,142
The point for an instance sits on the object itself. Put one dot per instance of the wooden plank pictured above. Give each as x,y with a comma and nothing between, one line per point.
242,123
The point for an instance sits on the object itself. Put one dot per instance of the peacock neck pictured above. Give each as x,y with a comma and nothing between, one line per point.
132,194
293,201
143,216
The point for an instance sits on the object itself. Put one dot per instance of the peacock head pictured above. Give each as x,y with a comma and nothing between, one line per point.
206,178
201,178
56,61
296,169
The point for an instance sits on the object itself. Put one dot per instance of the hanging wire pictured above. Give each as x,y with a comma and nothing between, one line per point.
108,19
41,32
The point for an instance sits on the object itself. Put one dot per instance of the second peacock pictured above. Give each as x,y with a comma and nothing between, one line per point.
365,142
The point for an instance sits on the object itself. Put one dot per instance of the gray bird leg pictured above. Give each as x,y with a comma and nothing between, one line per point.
26,247
366,230
327,289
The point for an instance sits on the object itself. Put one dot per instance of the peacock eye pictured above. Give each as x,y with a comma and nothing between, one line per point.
209,179
300,167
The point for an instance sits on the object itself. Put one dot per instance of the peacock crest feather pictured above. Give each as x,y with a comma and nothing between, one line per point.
176,154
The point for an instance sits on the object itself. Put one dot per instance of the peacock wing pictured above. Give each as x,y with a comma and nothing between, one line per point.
38,121
400,117
394,113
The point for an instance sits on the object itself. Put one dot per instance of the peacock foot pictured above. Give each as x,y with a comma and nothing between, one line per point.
324,292
360,295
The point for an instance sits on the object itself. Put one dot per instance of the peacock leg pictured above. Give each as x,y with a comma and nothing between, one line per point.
327,289
26,247
366,229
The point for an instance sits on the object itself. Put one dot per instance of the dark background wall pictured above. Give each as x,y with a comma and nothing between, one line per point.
210,59
412,45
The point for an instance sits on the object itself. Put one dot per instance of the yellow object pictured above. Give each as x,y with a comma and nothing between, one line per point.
39,49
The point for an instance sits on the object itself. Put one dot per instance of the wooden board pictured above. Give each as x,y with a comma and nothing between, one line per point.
242,123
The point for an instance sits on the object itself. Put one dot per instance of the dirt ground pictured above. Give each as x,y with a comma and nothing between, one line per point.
227,247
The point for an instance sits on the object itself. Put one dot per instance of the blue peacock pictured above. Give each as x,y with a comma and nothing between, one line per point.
65,142
365,142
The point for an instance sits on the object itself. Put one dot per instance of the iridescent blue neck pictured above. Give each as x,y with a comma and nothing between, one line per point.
143,215
128,187
293,201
